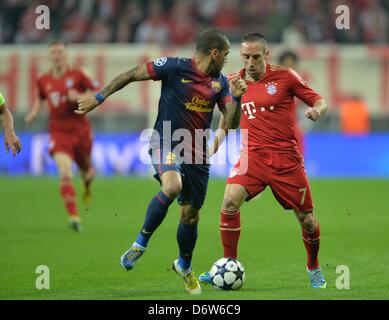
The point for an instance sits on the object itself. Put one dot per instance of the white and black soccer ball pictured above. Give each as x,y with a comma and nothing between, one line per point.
227,274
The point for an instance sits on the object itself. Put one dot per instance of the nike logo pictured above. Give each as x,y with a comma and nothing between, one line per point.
186,80
146,232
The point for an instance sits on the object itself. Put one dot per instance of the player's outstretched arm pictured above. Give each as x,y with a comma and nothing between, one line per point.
318,110
36,109
230,117
90,102
220,135
11,139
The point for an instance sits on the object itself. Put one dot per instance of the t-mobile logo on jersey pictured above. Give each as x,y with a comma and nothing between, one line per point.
249,109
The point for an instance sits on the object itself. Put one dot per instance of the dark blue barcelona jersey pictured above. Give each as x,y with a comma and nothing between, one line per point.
188,98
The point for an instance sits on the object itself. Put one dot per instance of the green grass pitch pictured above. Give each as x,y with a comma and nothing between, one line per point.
354,219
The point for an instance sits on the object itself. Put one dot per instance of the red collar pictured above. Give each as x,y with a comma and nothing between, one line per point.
198,71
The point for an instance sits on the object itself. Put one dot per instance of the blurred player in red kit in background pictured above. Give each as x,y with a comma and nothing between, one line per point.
70,134
268,115
290,59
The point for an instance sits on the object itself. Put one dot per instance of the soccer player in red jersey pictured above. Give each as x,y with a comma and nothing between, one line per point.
268,114
70,134
11,140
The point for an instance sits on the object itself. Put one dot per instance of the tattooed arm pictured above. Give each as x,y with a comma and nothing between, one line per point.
90,102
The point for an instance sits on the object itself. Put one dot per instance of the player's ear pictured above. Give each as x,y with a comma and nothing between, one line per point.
267,54
214,53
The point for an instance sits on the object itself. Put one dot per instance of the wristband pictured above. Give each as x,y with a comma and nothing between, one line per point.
236,99
99,97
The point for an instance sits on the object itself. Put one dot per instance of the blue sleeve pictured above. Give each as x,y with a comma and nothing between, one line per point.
161,68
225,94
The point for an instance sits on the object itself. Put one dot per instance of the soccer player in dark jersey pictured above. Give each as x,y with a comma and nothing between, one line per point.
271,151
70,134
11,140
190,90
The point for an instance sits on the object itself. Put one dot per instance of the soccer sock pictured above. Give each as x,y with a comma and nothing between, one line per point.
312,243
230,232
68,195
156,212
186,238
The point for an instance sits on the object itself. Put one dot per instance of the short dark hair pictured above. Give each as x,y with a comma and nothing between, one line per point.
58,41
253,37
288,54
211,39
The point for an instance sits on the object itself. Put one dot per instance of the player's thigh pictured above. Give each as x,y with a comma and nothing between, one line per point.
189,215
293,191
61,143
195,185
234,196
64,164
171,183
246,180
83,152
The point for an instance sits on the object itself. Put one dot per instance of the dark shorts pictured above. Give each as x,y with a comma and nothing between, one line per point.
194,178
284,173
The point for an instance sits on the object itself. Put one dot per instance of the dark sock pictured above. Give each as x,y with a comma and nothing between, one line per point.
156,212
186,238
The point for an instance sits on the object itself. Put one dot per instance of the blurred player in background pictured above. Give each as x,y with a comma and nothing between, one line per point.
70,134
272,155
11,140
290,59
190,90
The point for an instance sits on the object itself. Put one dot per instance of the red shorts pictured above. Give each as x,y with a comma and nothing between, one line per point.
77,145
283,172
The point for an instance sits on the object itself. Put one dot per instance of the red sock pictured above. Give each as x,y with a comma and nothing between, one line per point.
230,232
69,196
312,244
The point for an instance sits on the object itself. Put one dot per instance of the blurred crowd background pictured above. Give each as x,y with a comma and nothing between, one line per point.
177,22
348,67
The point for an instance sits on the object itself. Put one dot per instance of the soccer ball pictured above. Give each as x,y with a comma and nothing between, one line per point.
227,274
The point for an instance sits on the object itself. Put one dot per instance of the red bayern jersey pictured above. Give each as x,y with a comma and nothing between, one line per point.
268,108
61,109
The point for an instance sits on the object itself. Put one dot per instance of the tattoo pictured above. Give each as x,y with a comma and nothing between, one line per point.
136,74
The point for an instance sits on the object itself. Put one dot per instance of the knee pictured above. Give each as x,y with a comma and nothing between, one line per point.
65,174
309,222
172,190
190,219
231,203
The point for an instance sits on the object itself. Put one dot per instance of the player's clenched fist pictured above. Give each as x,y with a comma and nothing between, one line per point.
86,104
312,114
238,86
